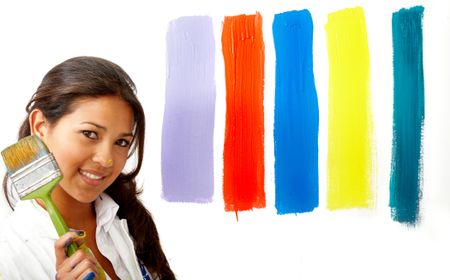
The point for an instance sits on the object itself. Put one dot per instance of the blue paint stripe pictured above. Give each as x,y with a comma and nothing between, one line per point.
296,114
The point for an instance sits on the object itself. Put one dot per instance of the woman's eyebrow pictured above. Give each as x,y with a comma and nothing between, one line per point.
96,125
129,134
125,134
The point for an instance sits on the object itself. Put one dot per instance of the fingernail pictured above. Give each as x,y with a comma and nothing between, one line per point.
80,233
89,276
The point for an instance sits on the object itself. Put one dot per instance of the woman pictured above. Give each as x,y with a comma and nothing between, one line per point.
86,112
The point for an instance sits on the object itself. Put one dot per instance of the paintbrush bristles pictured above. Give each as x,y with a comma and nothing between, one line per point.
24,152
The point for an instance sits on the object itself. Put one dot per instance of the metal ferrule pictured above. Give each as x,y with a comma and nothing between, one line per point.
34,175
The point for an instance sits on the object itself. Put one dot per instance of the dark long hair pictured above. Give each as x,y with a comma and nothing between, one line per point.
91,77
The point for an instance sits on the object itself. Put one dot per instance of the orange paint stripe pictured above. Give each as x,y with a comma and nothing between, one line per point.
243,52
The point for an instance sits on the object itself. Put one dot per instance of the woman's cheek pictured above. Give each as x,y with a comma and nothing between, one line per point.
68,161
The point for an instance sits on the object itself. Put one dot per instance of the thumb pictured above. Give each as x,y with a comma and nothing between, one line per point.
63,243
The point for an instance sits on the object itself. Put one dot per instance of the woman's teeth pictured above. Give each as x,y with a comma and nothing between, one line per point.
90,175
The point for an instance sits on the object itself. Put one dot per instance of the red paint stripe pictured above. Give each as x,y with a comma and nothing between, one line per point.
243,52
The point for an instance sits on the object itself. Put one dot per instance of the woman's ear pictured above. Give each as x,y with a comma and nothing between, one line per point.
38,123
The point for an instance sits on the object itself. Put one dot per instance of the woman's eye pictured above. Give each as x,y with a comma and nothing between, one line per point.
123,143
89,134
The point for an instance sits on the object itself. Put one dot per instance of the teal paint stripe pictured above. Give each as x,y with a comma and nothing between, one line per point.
408,117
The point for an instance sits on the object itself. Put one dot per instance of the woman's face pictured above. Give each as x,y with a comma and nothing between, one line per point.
91,145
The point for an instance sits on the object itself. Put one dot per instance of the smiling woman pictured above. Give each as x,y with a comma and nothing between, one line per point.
87,113
98,132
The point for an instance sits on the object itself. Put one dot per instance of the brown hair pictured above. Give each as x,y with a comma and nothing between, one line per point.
91,77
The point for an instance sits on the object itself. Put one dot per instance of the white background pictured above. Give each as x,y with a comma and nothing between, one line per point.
202,241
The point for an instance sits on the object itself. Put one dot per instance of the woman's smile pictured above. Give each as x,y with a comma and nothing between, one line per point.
91,177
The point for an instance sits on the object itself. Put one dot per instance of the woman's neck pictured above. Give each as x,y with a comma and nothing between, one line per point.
81,216
77,215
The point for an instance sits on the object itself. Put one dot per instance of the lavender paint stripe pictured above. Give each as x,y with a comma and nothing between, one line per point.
188,125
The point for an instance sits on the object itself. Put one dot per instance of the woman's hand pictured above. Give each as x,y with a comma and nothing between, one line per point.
81,265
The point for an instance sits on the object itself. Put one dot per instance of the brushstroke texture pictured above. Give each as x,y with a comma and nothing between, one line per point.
187,135
409,115
350,125
296,124
243,52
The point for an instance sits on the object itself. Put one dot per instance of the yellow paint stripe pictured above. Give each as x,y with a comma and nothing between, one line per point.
350,125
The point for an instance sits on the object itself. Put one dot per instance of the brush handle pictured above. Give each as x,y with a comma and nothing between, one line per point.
61,228
58,222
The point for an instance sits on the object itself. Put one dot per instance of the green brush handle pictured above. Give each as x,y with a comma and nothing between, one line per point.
58,222
61,227
44,193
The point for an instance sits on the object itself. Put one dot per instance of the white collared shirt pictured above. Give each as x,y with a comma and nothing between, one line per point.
27,240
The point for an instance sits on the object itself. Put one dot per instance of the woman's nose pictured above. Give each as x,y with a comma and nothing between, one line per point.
104,157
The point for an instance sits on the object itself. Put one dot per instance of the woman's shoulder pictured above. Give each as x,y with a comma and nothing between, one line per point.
25,260
18,252
26,244
26,222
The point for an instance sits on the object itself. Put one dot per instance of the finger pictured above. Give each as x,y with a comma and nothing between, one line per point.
80,235
60,247
65,269
84,261
77,265
63,242
83,268
79,239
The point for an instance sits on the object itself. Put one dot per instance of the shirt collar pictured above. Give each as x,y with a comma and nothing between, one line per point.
106,210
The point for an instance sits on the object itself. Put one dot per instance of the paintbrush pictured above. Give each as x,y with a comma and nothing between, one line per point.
34,174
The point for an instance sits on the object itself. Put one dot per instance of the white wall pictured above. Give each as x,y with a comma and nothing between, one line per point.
203,241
